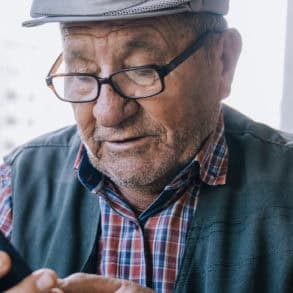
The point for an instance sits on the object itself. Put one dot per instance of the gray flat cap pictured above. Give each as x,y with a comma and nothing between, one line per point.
44,11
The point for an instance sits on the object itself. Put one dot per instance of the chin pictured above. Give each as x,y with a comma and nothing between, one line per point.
127,171
137,173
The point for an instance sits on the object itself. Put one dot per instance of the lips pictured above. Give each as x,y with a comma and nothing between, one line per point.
127,144
125,140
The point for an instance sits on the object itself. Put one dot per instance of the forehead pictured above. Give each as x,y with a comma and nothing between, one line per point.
158,31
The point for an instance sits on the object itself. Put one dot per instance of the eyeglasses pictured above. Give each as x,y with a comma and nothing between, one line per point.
130,83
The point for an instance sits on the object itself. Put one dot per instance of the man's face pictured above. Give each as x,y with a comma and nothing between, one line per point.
141,144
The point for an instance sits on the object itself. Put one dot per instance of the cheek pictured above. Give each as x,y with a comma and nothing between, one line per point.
183,108
84,118
178,103
171,113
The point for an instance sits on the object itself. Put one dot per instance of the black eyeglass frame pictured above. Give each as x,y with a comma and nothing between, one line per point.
162,70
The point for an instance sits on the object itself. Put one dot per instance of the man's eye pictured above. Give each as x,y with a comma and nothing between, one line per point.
80,84
142,77
144,72
84,79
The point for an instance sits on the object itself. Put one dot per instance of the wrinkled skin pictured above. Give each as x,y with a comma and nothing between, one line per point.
141,144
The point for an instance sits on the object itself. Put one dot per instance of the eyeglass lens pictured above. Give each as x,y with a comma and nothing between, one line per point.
133,83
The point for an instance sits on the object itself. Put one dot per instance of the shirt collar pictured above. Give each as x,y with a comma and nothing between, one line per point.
212,160
213,156
89,176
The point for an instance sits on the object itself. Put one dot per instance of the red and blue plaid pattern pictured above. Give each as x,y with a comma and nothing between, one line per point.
5,201
147,248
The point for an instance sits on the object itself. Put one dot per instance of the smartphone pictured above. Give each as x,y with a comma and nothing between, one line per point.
19,268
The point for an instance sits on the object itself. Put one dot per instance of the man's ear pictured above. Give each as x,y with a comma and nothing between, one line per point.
231,44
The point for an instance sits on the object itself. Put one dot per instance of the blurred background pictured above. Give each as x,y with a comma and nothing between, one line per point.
262,87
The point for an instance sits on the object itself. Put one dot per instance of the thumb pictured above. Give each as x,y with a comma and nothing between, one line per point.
5,263
40,281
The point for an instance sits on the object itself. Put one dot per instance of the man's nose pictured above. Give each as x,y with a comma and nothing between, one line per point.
111,109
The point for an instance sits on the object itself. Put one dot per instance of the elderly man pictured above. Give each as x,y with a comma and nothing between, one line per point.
158,186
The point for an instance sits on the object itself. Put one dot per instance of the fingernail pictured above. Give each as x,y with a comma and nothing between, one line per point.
45,281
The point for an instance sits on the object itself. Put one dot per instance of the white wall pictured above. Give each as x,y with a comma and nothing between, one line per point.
287,103
258,85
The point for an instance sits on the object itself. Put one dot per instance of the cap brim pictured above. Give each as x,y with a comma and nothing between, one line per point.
65,19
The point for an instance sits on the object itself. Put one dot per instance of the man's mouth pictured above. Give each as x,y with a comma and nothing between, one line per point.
125,140
126,144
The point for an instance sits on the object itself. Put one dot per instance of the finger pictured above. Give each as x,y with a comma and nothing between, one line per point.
131,287
56,290
88,283
5,263
92,283
41,281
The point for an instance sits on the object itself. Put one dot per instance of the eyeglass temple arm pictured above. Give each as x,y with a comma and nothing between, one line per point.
56,65
185,54
166,69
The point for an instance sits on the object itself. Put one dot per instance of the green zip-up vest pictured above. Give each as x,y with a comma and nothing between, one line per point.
240,240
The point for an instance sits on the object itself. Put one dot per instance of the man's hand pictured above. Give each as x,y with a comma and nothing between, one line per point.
79,283
41,281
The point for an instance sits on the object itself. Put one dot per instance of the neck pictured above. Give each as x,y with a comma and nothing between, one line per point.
139,200
139,197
